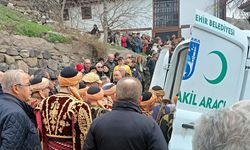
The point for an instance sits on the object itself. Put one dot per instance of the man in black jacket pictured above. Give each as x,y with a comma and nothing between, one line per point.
125,127
17,121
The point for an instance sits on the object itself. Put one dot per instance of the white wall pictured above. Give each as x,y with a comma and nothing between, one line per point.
187,12
142,8
144,17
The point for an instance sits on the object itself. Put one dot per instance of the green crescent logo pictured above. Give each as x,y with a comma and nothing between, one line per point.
223,69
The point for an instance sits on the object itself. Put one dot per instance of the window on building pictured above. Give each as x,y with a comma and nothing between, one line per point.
86,13
66,14
166,13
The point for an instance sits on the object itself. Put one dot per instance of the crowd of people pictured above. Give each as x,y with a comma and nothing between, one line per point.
81,109
142,43
117,67
137,42
86,113
104,105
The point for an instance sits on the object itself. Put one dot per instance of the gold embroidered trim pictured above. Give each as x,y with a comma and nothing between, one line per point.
58,136
59,117
84,123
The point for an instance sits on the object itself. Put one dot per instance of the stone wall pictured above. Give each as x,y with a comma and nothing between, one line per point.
30,54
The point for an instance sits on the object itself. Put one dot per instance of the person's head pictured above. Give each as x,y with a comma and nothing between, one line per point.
159,92
99,67
111,57
134,34
40,87
128,56
105,68
79,67
109,90
120,61
123,71
87,63
222,130
92,79
129,89
127,62
93,69
117,76
143,36
42,73
68,80
148,100
158,41
95,96
154,55
101,60
173,37
133,63
243,105
117,55
17,83
83,90
105,80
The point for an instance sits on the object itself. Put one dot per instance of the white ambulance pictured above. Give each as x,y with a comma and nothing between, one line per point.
209,71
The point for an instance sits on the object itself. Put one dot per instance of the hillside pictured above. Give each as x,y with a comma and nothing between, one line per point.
16,23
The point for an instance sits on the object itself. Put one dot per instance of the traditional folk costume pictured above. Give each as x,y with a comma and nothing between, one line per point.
65,117
159,92
83,90
95,98
163,112
147,103
37,86
92,79
109,94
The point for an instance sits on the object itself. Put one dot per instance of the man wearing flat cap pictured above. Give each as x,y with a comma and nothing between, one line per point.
65,117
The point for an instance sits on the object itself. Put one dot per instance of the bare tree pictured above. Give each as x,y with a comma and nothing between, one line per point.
116,14
233,5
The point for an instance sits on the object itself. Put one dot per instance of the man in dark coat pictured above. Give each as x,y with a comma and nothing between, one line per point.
110,62
151,64
125,127
17,121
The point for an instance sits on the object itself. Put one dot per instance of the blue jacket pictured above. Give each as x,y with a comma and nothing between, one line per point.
17,125
124,128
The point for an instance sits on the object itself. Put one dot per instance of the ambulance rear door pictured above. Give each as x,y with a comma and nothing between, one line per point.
213,75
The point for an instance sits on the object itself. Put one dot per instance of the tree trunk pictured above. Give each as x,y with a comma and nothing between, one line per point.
62,12
105,21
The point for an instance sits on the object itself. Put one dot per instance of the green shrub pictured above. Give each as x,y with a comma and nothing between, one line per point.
55,38
31,29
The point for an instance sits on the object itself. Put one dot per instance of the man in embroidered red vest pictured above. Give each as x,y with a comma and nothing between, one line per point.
65,117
